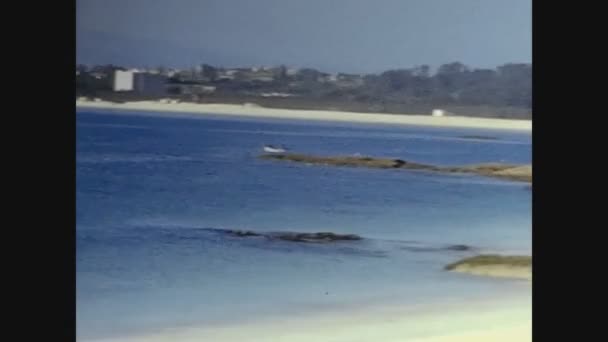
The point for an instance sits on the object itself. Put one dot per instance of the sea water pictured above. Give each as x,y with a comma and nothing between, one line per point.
153,190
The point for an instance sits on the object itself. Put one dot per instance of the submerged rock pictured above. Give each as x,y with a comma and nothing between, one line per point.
459,248
315,237
243,233
293,236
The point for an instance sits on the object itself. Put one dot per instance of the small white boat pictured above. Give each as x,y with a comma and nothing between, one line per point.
273,149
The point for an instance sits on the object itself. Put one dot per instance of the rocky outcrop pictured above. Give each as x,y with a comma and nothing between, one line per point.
412,247
242,233
519,267
497,170
381,163
522,173
320,237
506,171
327,237
315,237
458,248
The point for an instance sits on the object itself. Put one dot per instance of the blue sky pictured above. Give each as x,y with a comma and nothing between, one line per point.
332,35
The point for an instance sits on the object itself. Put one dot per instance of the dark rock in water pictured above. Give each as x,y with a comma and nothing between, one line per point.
458,248
418,249
243,233
399,162
294,237
381,163
315,237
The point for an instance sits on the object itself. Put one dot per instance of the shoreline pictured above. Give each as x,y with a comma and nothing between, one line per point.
314,115
496,320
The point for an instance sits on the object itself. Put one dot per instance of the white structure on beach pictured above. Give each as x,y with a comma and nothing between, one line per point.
275,94
438,112
123,80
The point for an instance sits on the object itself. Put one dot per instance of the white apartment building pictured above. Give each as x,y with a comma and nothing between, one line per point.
123,80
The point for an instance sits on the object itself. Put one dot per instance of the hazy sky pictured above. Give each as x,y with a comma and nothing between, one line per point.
332,35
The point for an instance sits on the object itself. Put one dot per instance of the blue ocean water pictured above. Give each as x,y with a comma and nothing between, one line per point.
152,188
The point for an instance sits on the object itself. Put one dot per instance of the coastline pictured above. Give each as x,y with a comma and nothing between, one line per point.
314,115
496,320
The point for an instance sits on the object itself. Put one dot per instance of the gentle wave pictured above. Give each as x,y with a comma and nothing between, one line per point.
130,158
112,125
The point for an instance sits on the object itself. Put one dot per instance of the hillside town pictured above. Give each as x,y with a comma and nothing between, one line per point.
501,92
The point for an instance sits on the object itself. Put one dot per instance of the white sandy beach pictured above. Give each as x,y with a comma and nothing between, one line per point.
508,319
317,115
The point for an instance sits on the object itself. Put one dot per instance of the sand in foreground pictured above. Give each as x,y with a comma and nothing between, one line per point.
513,334
508,320
338,116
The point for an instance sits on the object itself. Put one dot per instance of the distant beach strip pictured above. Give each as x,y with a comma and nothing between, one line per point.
248,110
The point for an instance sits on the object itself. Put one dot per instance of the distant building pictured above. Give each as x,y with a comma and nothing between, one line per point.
224,75
150,84
123,80
207,89
438,112
98,75
201,89
190,89
348,77
275,94
347,80
231,72
262,78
